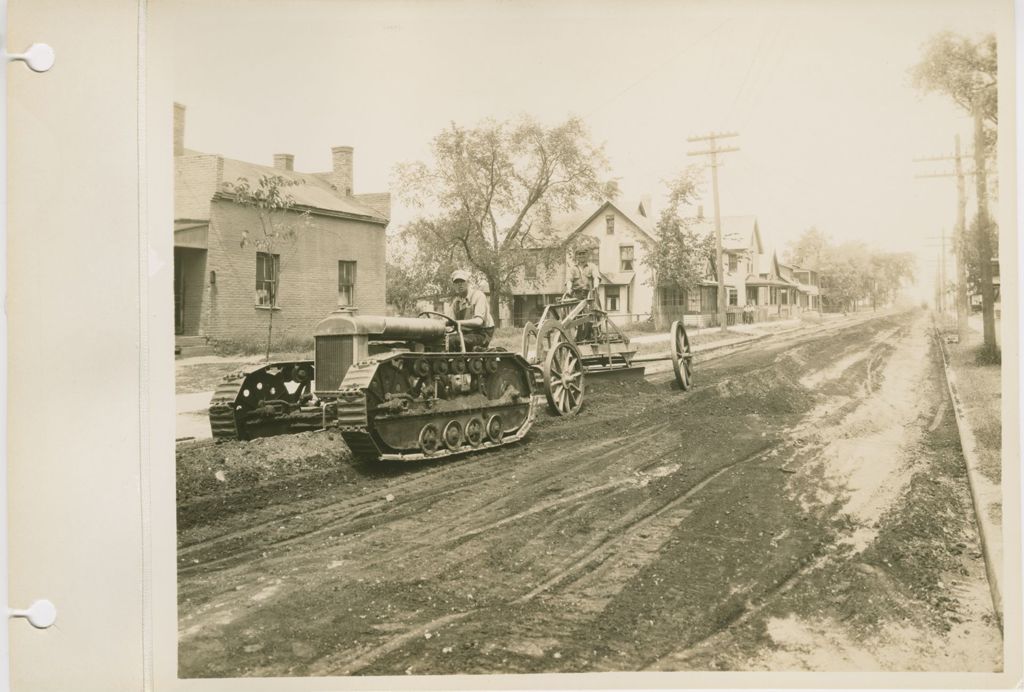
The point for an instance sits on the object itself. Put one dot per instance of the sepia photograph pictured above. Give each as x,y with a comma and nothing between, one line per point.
592,337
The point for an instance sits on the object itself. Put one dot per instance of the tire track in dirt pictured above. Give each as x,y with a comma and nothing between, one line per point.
577,580
600,547
358,513
583,574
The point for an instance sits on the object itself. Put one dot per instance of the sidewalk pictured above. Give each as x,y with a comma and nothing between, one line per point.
976,394
751,329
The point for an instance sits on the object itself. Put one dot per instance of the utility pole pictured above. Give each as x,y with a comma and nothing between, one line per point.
714,150
942,277
959,242
941,269
984,245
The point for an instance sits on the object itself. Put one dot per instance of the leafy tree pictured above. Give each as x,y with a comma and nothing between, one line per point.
278,226
409,277
851,272
972,259
489,193
967,72
962,69
809,249
680,256
888,271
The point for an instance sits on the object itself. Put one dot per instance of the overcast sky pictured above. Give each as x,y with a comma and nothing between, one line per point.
819,93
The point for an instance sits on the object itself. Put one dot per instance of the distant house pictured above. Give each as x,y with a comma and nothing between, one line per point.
621,234
808,286
223,287
742,249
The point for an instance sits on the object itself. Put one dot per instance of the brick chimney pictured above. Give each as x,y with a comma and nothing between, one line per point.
341,174
284,162
179,129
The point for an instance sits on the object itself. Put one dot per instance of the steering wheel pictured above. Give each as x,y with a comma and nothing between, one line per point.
449,322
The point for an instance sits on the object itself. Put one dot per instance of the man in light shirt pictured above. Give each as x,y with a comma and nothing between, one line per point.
472,311
582,277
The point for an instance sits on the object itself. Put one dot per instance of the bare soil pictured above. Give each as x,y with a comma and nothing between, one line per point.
804,507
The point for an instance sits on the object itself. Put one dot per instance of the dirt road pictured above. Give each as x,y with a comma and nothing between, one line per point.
804,507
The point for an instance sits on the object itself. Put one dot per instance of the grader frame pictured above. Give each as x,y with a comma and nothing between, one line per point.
575,341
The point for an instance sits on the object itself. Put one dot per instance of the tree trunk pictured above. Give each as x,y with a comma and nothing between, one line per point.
494,286
984,245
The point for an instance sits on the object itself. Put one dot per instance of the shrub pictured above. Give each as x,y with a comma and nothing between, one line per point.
252,347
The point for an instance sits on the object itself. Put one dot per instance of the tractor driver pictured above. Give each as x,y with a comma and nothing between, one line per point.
472,311
582,277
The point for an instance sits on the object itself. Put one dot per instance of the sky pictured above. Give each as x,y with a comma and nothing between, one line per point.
819,93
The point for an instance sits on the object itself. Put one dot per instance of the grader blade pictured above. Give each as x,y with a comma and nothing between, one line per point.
599,378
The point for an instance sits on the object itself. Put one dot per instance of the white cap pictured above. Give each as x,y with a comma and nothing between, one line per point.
460,275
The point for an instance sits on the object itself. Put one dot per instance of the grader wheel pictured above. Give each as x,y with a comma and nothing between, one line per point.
529,343
563,379
682,357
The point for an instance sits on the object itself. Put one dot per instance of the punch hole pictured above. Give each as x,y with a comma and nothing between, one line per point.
41,614
39,57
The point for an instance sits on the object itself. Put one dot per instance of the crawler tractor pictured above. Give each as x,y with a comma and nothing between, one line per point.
396,388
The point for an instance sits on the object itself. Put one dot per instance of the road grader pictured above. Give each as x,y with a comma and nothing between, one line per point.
408,389
574,342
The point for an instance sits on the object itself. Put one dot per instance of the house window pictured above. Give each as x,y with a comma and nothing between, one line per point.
734,263
611,298
672,297
785,296
530,270
732,296
693,301
626,258
609,223
346,283
267,268
595,256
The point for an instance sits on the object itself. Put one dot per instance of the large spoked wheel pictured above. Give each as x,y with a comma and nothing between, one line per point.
563,379
529,344
682,358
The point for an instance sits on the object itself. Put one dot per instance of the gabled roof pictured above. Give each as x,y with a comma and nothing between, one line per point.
311,192
738,232
566,225
775,276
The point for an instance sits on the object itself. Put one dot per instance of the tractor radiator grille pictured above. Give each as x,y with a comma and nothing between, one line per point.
333,358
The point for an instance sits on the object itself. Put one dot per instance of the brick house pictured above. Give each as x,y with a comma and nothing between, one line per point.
620,235
224,288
